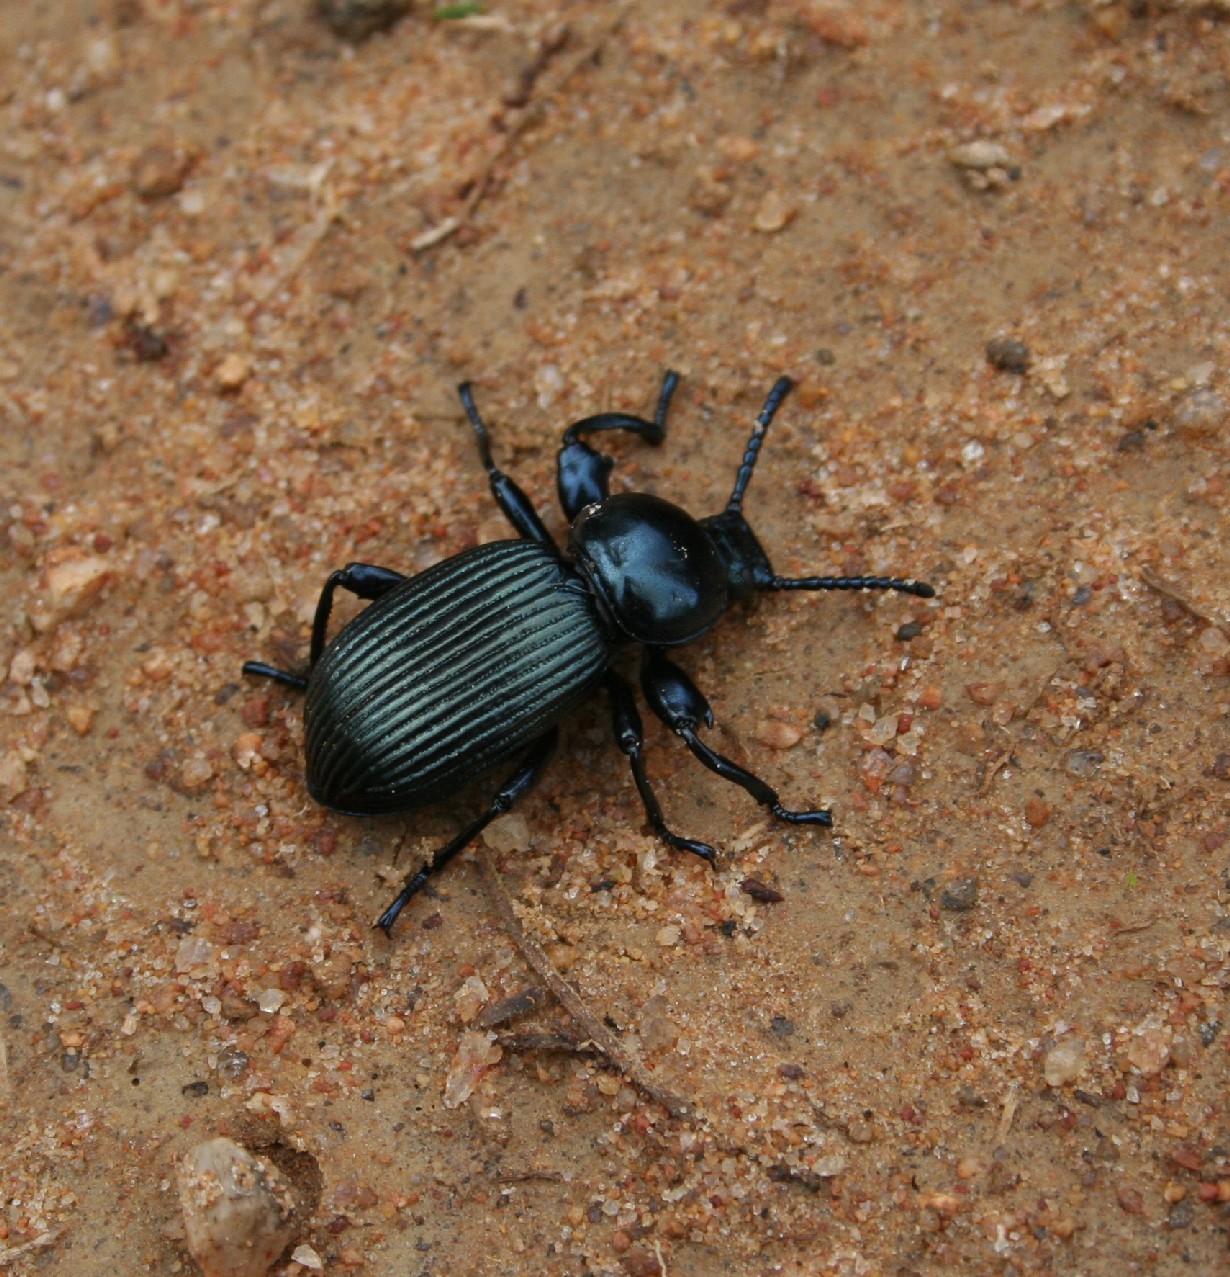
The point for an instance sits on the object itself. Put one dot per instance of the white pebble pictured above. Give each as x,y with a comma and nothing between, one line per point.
239,1210
1064,1062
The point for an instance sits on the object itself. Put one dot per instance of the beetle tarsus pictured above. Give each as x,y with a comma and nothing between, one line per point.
260,670
682,706
412,887
822,816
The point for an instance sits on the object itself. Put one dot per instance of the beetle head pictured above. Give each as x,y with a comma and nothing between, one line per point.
658,574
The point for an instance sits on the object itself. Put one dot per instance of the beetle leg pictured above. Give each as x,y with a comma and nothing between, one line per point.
583,473
629,735
261,670
681,705
522,780
362,579
509,496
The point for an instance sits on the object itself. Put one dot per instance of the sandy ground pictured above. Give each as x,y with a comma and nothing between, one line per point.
982,1031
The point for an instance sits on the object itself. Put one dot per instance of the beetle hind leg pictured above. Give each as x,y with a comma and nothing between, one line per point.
521,781
681,705
630,738
583,474
362,579
259,669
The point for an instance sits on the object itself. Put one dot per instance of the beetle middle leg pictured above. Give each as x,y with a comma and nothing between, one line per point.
681,705
630,737
365,580
583,473
520,782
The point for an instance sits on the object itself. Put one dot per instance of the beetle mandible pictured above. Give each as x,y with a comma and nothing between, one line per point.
473,662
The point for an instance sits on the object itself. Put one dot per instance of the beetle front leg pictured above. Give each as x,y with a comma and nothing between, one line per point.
520,782
681,705
362,579
629,735
582,473
509,495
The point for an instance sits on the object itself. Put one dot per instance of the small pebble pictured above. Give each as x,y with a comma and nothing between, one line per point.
13,781
772,214
640,1262
960,896
1064,1062
983,693
1083,762
196,772
357,19
776,734
1130,1200
307,1258
1008,354
232,372
981,154
509,833
1149,1051
477,1051
232,1062
240,1213
470,998
67,590
270,1000
830,1166
984,165
1201,412
160,171
1037,813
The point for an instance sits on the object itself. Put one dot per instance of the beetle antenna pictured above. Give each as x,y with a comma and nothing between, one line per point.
781,388
919,589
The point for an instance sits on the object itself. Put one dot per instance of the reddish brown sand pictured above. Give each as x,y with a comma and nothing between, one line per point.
983,1030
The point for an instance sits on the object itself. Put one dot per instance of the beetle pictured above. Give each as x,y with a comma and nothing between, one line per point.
473,662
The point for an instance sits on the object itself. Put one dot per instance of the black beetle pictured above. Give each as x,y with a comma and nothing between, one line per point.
451,672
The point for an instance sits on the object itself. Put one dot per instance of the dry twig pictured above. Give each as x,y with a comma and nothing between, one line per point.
1177,595
517,123
1011,1102
571,1000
